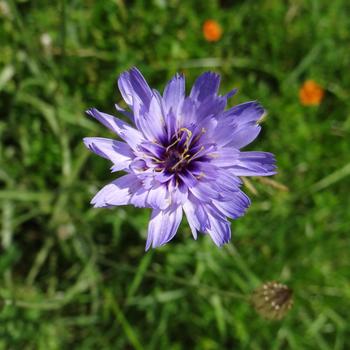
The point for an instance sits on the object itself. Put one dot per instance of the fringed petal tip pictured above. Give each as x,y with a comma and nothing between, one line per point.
98,204
163,226
90,111
87,142
231,93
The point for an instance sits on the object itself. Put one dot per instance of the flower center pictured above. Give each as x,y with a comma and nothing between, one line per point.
181,153
175,160
182,150
177,154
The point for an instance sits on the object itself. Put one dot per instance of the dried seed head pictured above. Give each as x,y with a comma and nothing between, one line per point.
272,300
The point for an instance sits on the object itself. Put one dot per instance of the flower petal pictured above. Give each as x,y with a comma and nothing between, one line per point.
171,123
139,197
224,157
245,135
227,180
210,107
238,126
174,93
255,164
163,226
188,179
245,112
125,88
179,194
150,122
197,216
117,193
140,86
205,191
231,93
206,85
132,136
132,84
204,169
118,152
219,231
186,115
234,205
124,112
164,176
158,197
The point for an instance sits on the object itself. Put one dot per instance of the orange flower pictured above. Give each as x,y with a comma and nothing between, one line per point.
311,94
212,30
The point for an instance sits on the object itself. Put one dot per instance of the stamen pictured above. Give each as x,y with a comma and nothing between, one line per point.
189,132
213,155
156,160
200,176
188,138
193,156
179,162
173,144
203,131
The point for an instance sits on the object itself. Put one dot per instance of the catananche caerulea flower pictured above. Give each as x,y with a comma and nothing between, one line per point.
181,154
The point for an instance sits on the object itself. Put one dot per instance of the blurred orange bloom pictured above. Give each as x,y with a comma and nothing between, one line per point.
311,94
212,30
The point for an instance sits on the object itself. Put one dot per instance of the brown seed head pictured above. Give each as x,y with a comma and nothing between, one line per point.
272,300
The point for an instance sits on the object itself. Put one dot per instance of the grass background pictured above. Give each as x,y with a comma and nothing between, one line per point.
73,277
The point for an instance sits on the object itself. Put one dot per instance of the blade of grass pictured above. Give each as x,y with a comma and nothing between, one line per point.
331,179
26,196
139,275
39,260
111,301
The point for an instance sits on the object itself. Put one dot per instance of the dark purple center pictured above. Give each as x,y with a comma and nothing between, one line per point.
181,153
174,161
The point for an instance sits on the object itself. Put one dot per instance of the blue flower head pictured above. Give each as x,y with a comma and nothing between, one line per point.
181,154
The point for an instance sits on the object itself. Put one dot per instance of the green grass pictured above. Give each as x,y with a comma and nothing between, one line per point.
73,277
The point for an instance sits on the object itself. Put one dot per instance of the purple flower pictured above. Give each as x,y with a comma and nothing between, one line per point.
181,154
